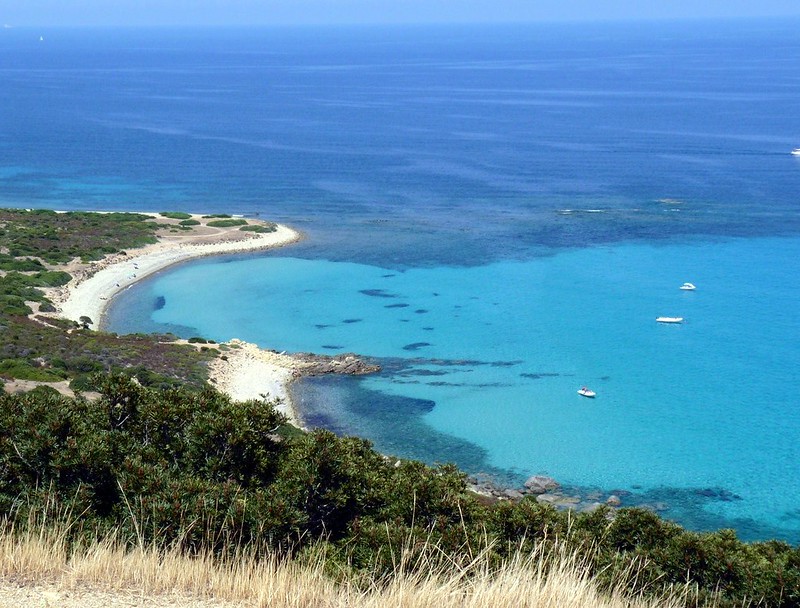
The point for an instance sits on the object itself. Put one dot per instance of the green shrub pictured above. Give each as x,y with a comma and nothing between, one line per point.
227,223
189,223
23,370
10,263
14,306
259,228
44,390
82,383
216,215
176,215
51,278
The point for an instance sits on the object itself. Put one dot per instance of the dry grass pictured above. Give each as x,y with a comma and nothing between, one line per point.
37,569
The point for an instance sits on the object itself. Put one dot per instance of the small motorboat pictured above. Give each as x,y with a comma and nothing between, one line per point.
669,319
586,392
688,287
796,152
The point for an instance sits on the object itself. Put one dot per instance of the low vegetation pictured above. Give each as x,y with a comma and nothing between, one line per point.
259,228
51,351
58,238
227,223
176,215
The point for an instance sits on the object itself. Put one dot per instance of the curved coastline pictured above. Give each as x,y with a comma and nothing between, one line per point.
246,372
92,289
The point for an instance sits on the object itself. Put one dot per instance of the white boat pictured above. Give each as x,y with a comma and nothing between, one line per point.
688,287
669,319
586,392
796,152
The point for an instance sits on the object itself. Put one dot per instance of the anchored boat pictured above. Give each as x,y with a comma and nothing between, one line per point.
586,392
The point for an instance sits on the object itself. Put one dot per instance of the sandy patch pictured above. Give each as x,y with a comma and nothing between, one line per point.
253,373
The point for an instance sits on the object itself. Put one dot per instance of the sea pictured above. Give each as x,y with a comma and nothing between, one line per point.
494,214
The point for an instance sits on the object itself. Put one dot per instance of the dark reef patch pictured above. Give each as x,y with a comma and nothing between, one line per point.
720,494
416,345
540,375
506,363
332,347
398,305
421,372
378,293
393,423
159,303
352,320
421,311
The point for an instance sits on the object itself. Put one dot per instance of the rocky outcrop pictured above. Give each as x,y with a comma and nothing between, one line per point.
546,490
348,364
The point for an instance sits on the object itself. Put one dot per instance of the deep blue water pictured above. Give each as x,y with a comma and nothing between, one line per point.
497,214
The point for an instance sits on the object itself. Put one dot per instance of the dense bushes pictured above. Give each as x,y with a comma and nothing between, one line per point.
259,228
227,223
193,468
16,289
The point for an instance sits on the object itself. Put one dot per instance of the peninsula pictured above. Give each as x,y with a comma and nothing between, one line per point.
89,276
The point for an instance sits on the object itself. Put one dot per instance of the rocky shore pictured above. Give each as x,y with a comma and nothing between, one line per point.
549,491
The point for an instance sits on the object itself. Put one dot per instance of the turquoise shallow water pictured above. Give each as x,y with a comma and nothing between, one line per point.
483,363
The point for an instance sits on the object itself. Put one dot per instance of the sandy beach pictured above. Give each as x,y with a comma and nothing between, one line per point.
247,372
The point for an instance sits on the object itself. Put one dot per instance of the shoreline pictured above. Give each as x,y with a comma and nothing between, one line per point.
93,287
246,372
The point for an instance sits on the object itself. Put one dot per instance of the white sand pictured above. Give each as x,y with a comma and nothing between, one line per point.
253,373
